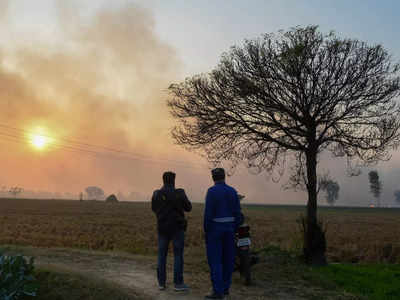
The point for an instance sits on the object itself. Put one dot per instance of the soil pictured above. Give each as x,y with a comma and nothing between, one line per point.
138,275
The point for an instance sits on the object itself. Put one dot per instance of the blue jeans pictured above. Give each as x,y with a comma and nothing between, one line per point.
178,240
221,250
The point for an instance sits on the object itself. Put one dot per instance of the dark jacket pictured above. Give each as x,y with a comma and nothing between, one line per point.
169,205
222,201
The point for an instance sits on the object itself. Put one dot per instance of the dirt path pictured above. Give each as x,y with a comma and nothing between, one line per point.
133,273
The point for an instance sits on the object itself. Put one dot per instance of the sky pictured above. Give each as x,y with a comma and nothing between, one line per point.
96,73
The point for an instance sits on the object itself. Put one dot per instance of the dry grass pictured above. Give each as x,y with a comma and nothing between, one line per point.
354,235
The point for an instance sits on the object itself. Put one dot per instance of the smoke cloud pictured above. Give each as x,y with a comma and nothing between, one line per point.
3,8
100,80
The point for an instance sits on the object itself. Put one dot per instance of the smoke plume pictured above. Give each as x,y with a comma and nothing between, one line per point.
100,80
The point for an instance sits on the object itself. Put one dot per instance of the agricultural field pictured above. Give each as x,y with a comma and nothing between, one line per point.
64,234
354,234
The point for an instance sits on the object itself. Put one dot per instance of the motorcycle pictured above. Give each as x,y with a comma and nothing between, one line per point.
244,257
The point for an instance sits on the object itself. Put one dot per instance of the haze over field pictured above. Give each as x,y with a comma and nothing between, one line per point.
98,75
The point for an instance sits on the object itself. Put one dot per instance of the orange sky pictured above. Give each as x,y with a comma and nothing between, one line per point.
104,84
101,80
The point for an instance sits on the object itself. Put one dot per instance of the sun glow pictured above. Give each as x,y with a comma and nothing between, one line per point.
39,139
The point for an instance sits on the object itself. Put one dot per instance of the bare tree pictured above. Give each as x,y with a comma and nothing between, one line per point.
15,191
397,196
292,95
94,193
3,191
331,189
375,186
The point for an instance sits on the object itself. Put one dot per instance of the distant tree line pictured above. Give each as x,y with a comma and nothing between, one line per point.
331,189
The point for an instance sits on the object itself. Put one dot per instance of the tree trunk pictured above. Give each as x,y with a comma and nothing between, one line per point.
314,236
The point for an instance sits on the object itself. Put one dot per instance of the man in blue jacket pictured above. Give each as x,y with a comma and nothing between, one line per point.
222,216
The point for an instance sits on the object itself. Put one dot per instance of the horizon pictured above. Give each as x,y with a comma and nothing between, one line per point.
243,205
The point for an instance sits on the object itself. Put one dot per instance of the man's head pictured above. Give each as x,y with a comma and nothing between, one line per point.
218,174
169,178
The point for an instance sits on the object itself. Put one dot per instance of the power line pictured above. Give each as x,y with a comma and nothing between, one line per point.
72,141
102,154
95,146
75,142
91,149
19,141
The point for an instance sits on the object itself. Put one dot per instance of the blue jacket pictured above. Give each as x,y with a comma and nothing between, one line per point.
222,201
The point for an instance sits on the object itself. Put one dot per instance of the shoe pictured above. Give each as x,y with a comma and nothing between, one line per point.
214,296
181,287
162,287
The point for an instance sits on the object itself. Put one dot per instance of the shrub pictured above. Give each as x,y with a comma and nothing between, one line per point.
16,277
112,199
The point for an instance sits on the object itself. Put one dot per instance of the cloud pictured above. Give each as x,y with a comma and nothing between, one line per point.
101,78
102,81
3,8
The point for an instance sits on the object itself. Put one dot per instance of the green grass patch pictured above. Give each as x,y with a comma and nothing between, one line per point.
375,282
281,269
63,285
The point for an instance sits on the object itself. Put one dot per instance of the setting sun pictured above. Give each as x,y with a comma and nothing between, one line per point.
39,138
39,141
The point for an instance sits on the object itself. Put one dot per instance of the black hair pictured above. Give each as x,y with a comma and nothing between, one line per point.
218,174
169,177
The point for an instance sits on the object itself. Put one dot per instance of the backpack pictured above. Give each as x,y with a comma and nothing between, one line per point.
170,217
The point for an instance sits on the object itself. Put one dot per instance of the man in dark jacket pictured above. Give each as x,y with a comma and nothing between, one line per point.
169,205
222,216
